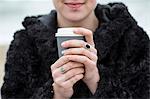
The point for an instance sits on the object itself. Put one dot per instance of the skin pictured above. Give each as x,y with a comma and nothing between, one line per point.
70,17
78,62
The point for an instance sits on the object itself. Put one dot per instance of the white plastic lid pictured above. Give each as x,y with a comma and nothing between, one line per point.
66,32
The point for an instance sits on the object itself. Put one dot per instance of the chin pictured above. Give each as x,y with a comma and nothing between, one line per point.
75,18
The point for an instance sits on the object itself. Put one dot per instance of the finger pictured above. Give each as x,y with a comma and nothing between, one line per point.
61,61
77,44
73,72
73,43
87,33
84,60
81,51
68,75
69,83
72,65
68,66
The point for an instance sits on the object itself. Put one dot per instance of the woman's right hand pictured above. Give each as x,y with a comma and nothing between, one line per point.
65,74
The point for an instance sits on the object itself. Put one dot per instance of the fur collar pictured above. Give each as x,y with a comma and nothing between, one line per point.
114,17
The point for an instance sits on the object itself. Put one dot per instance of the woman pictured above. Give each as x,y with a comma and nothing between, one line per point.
115,63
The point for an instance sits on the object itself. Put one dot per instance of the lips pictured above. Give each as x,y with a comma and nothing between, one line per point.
74,5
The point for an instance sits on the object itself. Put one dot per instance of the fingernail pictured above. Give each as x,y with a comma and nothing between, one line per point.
62,52
75,31
63,44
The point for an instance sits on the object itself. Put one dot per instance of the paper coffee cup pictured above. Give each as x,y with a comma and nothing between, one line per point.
64,34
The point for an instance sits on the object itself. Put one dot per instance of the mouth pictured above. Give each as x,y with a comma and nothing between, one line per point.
74,5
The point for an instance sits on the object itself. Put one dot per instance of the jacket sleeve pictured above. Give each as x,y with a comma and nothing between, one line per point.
21,78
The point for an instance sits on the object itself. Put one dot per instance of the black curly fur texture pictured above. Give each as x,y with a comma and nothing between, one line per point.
123,52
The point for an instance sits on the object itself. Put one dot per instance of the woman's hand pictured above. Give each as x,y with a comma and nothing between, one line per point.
85,53
65,74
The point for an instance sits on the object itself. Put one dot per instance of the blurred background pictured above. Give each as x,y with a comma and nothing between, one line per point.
12,13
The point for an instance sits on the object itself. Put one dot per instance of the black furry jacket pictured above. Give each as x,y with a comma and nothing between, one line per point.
123,51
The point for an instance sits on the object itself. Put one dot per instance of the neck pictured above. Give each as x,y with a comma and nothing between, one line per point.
91,22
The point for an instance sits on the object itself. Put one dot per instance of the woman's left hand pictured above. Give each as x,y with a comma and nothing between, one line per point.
85,53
